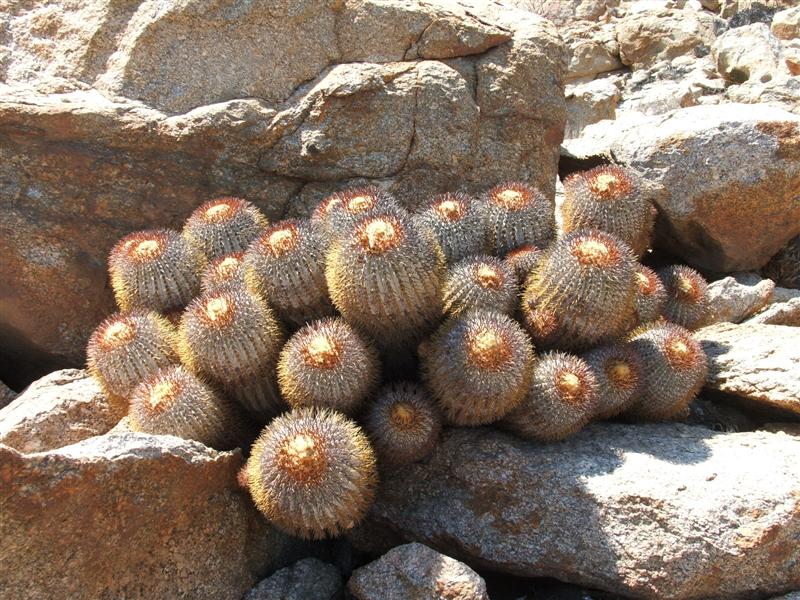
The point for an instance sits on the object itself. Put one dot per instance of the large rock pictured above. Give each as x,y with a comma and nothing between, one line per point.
108,125
60,409
732,300
717,211
307,579
416,572
130,516
746,53
647,511
754,362
786,23
589,103
592,48
784,310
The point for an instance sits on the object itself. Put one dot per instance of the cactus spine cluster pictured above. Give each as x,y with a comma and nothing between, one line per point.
327,363
480,282
618,371
224,226
223,273
687,296
523,261
457,222
517,214
345,209
650,296
312,472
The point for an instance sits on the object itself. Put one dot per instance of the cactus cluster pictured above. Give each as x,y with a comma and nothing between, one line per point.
350,339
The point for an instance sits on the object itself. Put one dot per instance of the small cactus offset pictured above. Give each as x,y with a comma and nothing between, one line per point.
609,198
155,270
517,214
650,296
385,277
346,209
312,472
403,424
687,296
457,222
561,400
477,367
286,266
674,367
523,261
582,292
328,364
480,282
618,371
223,273
224,226
126,349
174,402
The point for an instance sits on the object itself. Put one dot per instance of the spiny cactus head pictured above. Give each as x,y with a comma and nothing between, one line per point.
650,295
225,271
479,282
312,473
606,183
687,296
224,226
403,424
451,207
514,196
128,347
380,234
456,221
517,214
618,370
523,260
542,323
595,249
351,206
327,364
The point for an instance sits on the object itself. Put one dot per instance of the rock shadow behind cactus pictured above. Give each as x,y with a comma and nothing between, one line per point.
155,270
480,282
224,226
312,472
457,221
517,214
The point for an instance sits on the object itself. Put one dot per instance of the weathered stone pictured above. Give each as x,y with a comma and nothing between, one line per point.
592,49
589,103
784,267
307,579
654,35
716,211
130,516
6,395
732,301
782,90
714,522
785,311
564,13
416,572
119,115
750,52
754,362
786,23
60,409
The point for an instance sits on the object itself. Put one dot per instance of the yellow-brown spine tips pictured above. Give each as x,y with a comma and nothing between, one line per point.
457,222
674,368
223,272
326,363
312,473
224,226
517,214
477,367
155,270
650,296
345,209
687,296
175,402
561,400
126,349
479,282
403,424
522,261
618,370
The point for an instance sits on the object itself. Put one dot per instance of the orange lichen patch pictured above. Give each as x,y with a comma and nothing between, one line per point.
621,374
646,281
218,311
488,349
162,394
450,209
681,352
595,252
322,351
787,133
488,277
303,457
379,234
403,416
281,239
117,333
608,183
571,387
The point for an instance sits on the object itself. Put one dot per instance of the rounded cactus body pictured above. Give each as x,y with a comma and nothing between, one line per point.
328,364
343,210
223,273
523,261
312,473
126,349
224,226
674,367
687,302
457,221
155,270
477,367
609,198
286,266
403,424
517,214
480,282
650,296
386,278
562,399
173,401
618,371
582,292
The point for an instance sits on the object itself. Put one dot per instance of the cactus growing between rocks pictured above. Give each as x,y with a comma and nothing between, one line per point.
582,292
618,371
224,226
687,296
312,473
223,272
562,399
286,266
523,261
674,368
174,402
479,282
517,214
477,367
457,221
609,198
327,364
155,270
126,349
